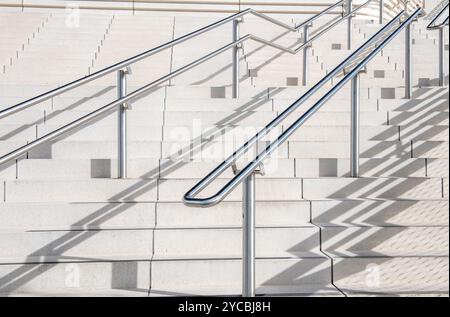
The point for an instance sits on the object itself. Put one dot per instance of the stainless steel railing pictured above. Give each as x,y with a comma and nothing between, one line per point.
122,67
247,174
275,7
441,45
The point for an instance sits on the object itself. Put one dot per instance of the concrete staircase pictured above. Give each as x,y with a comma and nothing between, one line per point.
69,227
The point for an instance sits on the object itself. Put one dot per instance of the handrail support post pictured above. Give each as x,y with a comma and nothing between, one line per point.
248,237
235,58
248,233
122,123
408,62
305,53
355,124
441,56
349,25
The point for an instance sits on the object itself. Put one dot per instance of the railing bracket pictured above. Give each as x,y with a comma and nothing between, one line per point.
260,170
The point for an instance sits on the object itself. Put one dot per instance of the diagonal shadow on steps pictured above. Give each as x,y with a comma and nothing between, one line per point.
149,181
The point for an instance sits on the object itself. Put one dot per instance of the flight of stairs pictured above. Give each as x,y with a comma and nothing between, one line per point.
69,227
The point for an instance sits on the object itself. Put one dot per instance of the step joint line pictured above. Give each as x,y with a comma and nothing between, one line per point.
331,259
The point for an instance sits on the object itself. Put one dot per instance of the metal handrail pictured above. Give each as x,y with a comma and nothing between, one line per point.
247,174
246,3
189,199
169,8
123,100
123,64
432,25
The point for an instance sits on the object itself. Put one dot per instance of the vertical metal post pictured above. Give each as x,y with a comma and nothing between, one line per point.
441,56
122,128
408,60
349,25
235,62
354,133
305,54
381,11
248,238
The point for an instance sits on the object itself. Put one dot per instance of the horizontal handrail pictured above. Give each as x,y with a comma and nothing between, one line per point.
92,115
432,25
133,8
228,3
189,198
123,64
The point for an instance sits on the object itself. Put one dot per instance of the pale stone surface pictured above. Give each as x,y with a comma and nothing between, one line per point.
71,228
392,275
72,216
99,190
289,213
60,246
227,243
80,278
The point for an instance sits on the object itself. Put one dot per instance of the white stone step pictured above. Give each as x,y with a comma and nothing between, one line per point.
96,150
423,99
223,277
269,189
212,150
105,132
312,133
380,213
384,275
83,169
438,168
337,103
98,190
39,169
390,241
229,214
17,132
374,188
211,105
76,216
418,118
74,246
424,133
81,278
227,243
262,118
341,150
8,171
368,167
134,117
430,149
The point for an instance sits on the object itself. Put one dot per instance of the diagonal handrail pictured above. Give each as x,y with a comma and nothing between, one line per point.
432,25
139,92
127,62
189,198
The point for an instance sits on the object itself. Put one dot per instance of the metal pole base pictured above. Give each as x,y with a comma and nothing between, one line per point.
248,232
